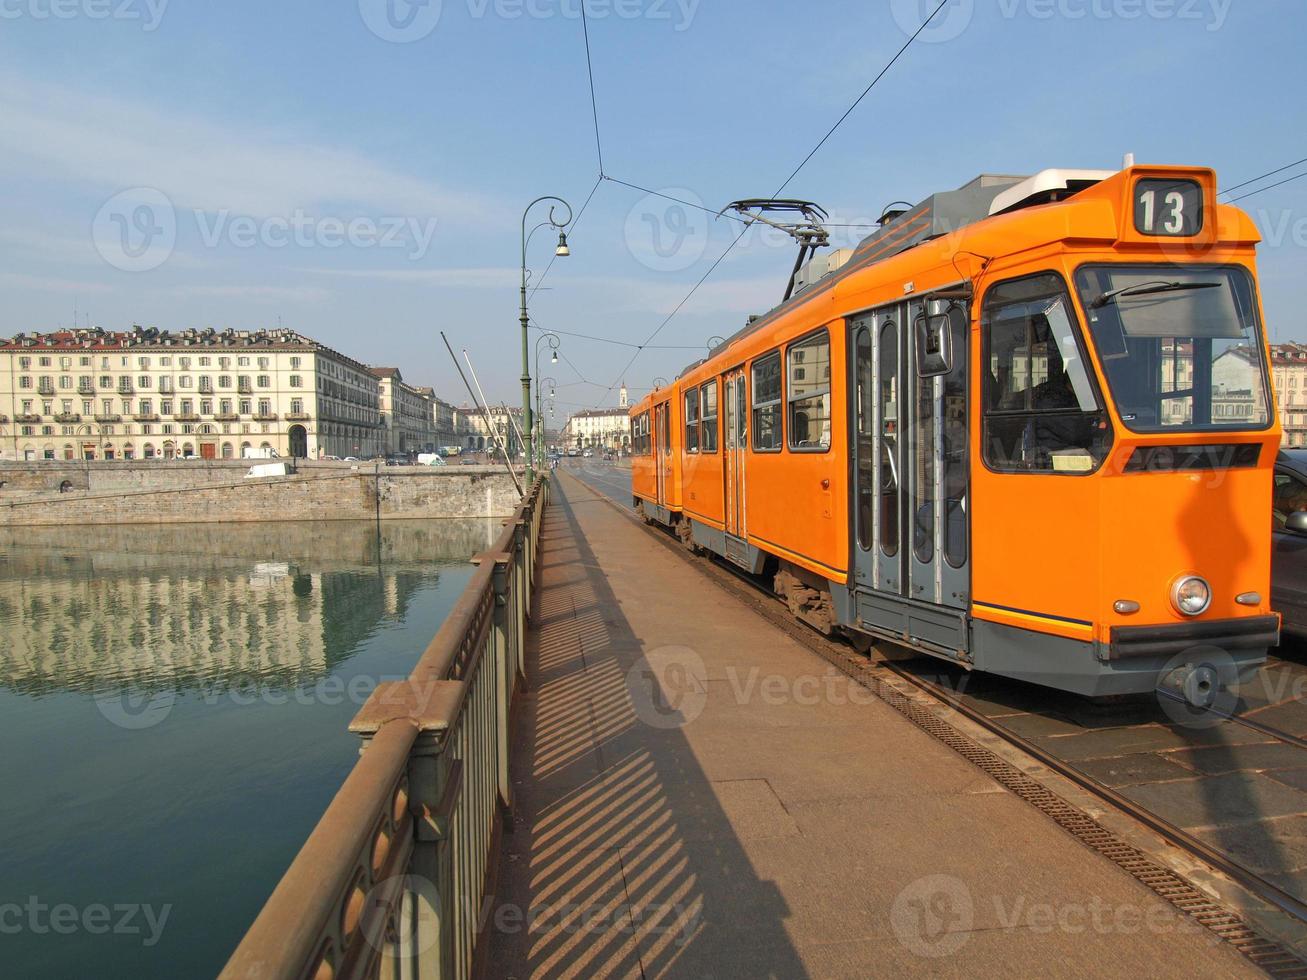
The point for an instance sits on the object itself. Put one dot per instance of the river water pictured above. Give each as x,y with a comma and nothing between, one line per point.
173,712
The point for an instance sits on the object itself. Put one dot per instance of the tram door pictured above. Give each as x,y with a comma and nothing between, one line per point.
662,451
736,427
909,369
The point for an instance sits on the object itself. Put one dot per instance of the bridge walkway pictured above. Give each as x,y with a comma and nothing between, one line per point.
697,794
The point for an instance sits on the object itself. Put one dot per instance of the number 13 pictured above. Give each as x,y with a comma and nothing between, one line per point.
1174,224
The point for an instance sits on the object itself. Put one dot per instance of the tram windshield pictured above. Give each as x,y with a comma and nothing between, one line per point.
1181,345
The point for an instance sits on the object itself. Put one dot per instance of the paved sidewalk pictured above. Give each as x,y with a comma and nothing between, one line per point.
700,796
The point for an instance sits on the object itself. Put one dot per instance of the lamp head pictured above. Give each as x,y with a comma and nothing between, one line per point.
562,250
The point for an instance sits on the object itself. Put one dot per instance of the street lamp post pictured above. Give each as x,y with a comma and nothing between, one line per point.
561,251
539,415
554,343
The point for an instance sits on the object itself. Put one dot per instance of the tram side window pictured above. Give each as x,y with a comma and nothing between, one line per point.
1041,411
692,420
709,401
809,393
767,403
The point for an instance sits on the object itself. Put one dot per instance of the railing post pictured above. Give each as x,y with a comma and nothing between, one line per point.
506,674
429,898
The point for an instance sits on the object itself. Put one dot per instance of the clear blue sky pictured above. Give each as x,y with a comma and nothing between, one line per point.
247,117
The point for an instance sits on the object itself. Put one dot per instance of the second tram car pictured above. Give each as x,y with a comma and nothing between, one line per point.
1027,426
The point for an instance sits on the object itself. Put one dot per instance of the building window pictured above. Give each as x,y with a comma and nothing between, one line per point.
165,406
767,403
245,406
294,363
143,381
65,381
809,393
184,381
296,381
24,364
205,362
25,381
206,406
242,362
146,406
297,406
264,381
708,399
224,381
1041,412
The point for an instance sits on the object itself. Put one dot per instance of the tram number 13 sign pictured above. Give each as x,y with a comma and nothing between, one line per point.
1168,207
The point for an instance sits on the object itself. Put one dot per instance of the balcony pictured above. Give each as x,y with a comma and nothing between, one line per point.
27,419
145,417
106,419
297,416
244,389
86,389
4,419
45,390
265,416
227,417
186,417
68,418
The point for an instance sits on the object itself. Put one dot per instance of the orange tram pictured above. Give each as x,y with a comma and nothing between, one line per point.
1026,426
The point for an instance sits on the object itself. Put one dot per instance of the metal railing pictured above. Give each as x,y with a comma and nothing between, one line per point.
391,881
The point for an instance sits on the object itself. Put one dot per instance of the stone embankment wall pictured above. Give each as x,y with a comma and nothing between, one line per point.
315,493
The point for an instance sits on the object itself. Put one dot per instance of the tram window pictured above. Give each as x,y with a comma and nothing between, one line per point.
955,442
809,393
1181,345
767,403
866,406
708,399
1041,411
889,423
692,420
922,448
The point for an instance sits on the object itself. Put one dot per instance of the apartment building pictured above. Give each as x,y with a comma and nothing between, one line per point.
146,393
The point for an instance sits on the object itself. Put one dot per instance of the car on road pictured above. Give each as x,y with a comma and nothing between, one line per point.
1289,541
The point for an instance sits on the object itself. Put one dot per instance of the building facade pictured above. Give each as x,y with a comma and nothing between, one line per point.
598,428
504,425
1289,371
407,415
140,394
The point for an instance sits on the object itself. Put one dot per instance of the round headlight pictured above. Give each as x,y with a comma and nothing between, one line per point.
1191,595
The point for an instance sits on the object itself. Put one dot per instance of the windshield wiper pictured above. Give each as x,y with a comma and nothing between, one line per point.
1144,288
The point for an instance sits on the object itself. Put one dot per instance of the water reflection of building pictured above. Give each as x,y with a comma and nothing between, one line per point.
171,615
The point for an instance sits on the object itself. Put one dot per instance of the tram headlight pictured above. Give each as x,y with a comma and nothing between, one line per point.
1191,595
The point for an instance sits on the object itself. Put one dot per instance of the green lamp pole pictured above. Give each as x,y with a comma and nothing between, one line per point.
562,251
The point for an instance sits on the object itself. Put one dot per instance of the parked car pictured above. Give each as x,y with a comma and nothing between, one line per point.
1289,541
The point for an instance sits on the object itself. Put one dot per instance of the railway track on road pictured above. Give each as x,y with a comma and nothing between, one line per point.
895,684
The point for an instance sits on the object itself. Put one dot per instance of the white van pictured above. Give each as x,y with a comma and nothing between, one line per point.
268,469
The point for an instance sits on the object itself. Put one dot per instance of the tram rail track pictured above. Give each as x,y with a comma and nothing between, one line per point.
1267,953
